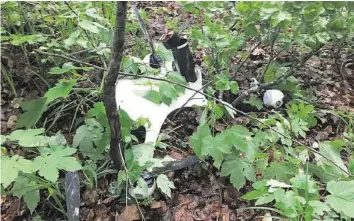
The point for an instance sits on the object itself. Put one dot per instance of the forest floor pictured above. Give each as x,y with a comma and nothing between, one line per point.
200,193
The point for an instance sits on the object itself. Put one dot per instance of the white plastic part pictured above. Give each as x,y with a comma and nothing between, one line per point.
143,191
129,97
273,98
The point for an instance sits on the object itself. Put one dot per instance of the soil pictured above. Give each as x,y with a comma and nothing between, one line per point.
200,193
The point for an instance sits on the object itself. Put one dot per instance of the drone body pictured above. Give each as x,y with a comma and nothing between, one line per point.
273,98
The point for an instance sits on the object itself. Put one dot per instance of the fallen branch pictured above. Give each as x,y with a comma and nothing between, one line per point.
116,143
283,77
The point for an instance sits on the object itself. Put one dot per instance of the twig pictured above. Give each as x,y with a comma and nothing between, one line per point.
272,56
116,143
69,59
246,58
289,73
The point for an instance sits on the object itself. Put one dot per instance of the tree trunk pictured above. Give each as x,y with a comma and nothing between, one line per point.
116,143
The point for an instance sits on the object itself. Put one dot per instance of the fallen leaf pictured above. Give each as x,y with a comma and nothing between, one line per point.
11,122
130,213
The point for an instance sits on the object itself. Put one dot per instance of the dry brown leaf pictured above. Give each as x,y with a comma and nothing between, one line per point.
130,213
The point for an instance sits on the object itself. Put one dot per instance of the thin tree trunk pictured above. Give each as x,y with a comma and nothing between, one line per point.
116,143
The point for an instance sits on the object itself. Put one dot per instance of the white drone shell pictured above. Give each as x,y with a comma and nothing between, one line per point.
273,98
140,192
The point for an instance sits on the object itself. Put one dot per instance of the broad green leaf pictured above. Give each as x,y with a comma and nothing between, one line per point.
234,87
33,111
29,138
99,112
72,38
32,199
255,194
280,171
215,147
67,67
304,182
153,96
57,140
289,203
164,184
237,136
319,207
11,166
54,159
342,197
256,102
85,137
178,78
167,93
331,149
61,89
89,26
239,169
143,153
281,17
28,189
196,140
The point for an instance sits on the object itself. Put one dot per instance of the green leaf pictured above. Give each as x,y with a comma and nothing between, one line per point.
178,78
351,166
342,197
280,171
61,89
164,184
143,153
32,199
67,67
237,136
331,149
215,147
256,102
3,138
72,38
281,17
153,96
28,189
222,42
85,137
89,26
304,182
196,140
11,166
234,87
53,159
29,138
319,207
255,194
99,112
239,169
57,140
167,93
33,111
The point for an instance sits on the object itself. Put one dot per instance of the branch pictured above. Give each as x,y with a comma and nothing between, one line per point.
283,77
116,143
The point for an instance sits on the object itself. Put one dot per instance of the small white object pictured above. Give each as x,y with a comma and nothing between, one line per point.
267,217
275,184
273,98
129,97
254,82
143,190
315,145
